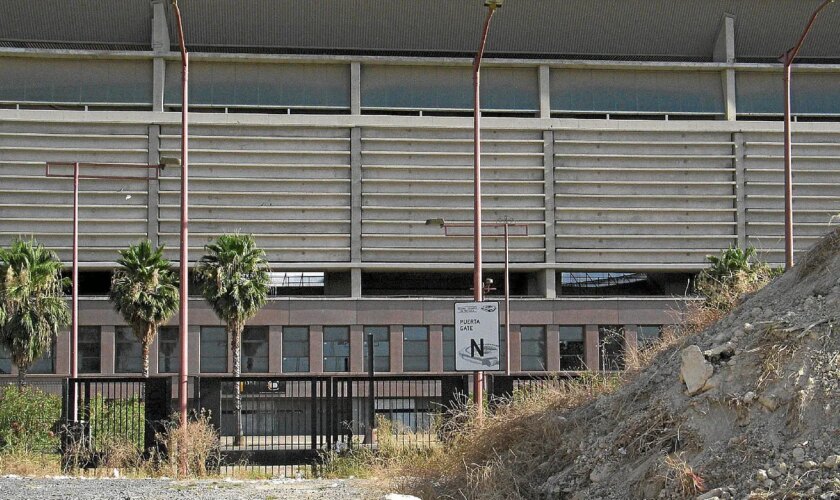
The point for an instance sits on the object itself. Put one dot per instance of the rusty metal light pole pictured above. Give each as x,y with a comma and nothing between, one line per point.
183,314
492,5
57,169
787,59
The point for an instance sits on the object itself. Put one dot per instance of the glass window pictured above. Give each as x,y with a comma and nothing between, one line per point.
128,353
449,348
416,348
46,363
169,360
533,348
254,354
5,361
336,349
295,349
646,335
611,346
571,348
213,356
90,349
381,348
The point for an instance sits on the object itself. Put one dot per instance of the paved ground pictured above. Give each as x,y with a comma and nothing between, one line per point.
72,488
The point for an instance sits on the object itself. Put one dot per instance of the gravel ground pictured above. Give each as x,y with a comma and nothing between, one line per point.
71,488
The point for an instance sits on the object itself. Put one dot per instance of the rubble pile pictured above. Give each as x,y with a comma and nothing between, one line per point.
749,408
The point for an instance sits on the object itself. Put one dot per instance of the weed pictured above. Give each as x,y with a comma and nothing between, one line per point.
681,477
193,450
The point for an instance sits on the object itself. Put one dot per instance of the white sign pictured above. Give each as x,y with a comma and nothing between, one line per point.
477,336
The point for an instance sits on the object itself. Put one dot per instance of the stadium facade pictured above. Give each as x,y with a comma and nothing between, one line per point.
632,139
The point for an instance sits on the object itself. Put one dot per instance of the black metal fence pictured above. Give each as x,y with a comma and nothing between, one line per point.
104,412
503,387
292,420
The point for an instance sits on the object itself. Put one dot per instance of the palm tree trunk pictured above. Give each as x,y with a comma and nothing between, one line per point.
145,355
21,376
235,328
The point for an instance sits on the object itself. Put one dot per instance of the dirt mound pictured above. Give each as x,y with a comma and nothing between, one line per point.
748,408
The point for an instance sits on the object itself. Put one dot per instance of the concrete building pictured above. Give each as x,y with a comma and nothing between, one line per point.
633,138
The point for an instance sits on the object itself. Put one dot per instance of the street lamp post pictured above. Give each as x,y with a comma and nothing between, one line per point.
787,59
492,5
58,169
183,314
506,224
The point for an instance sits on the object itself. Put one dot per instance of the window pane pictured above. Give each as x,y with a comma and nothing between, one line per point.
646,335
571,348
336,348
213,355
381,348
169,360
89,349
295,349
46,363
611,347
254,355
533,348
5,361
128,355
416,349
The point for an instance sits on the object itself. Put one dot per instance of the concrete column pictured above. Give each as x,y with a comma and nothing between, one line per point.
153,357
194,344
355,88
631,337
740,189
107,349
316,349
396,348
160,46
153,188
552,348
435,348
724,51
275,349
357,348
515,349
590,348
62,355
548,278
355,211
545,91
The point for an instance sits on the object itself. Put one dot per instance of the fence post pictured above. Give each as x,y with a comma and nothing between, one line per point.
158,393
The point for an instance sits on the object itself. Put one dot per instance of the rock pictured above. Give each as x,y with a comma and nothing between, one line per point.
760,475
599,474
712,383
773,473
798,454
397,496
695,370
748,327
768,402
721,352
810,464
831,462
769,484
711,494
813,492
749,397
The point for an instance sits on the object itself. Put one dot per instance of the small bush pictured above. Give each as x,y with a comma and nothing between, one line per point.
117,421
199,444
28,419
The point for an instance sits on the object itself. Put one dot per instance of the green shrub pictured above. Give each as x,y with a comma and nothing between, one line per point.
28,419
117,421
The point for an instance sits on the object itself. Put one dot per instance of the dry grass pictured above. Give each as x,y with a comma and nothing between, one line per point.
680,477
29,464
192,451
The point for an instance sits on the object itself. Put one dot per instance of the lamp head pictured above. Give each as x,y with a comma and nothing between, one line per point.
495,4
435,222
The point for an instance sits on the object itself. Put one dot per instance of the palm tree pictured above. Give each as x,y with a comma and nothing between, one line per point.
144,289
233,278
32,305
